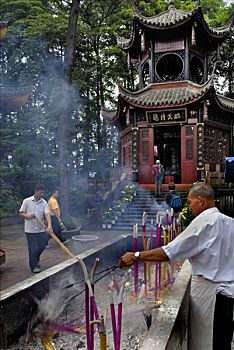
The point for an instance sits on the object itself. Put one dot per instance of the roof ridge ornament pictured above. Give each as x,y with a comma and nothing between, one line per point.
171,4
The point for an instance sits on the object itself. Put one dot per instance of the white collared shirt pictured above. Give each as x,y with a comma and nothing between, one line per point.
208,244
39,208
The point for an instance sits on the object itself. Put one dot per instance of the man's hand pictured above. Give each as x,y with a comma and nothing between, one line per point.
128,259
30,216
49,229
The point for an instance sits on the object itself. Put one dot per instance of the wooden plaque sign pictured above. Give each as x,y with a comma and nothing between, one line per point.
167,117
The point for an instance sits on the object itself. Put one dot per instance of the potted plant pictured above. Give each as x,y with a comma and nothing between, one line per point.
186,215
107,218
69,228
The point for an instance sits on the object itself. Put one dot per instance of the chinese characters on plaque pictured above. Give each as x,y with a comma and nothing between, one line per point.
171,116
135,149
200,146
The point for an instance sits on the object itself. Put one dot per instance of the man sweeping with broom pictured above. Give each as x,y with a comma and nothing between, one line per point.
32,209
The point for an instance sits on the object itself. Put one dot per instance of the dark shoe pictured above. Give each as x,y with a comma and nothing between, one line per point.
36,270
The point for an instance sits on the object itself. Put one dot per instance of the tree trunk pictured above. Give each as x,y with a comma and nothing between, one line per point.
65,109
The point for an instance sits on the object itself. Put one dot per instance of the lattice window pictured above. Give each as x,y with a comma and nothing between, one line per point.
189,130
145,134
145,151
216,146
189,149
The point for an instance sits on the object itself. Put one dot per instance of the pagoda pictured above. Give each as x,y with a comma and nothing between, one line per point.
170,110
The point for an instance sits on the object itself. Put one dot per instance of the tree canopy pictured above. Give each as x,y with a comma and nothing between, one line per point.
36,52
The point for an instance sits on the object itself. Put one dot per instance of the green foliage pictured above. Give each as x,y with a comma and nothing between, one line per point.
33,51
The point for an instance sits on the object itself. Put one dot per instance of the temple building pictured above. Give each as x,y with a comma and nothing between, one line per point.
171,110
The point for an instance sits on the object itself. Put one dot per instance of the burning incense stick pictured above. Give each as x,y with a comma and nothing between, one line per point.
135,267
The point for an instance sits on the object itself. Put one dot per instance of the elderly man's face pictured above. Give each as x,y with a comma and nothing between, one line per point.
196,204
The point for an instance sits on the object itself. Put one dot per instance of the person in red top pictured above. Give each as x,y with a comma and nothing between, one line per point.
158,173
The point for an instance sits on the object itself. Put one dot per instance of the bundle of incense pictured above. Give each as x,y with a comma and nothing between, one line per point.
102,334
117,327
135,267
113,319
179,223
157,272
151,233
144,218
148,267
167,212
156,265
120,310
48,344
87,319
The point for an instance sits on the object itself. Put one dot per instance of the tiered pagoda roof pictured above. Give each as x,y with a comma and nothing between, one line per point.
13,97
3,29
167,95
171,19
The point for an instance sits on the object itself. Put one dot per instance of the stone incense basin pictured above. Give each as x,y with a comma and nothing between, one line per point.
18,306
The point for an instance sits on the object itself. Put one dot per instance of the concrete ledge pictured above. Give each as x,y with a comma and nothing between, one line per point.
169,327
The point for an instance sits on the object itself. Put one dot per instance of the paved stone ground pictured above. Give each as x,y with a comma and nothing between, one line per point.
13,242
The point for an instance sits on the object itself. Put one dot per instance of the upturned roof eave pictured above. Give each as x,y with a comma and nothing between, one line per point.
199,92
165,106
195,14
220,100
216,33
171,84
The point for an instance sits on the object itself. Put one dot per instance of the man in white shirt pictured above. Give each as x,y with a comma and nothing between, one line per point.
35,210
208,244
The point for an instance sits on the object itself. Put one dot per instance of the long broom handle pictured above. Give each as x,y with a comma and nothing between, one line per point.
68,251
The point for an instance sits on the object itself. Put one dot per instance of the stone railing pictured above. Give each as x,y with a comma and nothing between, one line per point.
225,200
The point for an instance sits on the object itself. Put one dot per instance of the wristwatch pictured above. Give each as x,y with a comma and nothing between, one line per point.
137,255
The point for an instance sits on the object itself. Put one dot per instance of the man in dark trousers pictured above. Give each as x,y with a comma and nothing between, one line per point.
208,244
55,216
158,174
35,210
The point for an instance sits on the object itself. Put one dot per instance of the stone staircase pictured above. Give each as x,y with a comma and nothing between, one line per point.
144,201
